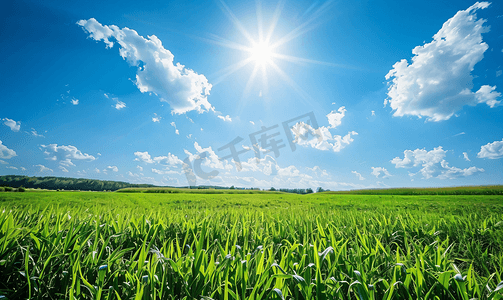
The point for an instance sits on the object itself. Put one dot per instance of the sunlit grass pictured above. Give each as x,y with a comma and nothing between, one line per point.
72,245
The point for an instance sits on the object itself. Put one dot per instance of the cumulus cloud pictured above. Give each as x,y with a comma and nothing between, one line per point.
226,118
378,170
75,101
119,105
438,82
211,160
360,177
65,154
5,152
321,139
140,168
182,88
318,171
63,169
335,117
3,162
13,125
113,168
171,159
492,150
43,168
432,164
156,118
453,172
143,156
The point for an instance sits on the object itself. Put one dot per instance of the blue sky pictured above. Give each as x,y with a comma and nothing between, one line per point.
342,95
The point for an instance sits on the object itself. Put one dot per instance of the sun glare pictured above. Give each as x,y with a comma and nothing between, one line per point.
261,53
262,49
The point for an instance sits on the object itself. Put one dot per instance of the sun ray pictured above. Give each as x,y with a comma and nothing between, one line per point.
275,18
230,70
295,59
259,20
236,22
305,97
262,51
303,28
289,81
247,89
217,40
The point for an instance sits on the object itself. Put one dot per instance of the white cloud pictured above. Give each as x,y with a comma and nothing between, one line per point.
432,164
3,162
143,156
251,122
133,174
318,171
465,155
65,154
360,177
335,118
5,152
176,130
373,113
321,139
226,118
140,168
35,133
438,83
75,101
182,88
156,119
171,160
378,170
14,126
161,172
120,105
43,168
63,169
453,172
23,169
11,167
492,150
97,170
211,160
113,168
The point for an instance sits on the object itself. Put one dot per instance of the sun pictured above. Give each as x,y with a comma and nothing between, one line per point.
261,53
265,49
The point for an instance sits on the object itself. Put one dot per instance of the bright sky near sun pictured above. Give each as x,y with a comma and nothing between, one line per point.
288,94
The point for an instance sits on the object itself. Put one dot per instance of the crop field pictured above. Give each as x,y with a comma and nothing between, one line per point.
99,245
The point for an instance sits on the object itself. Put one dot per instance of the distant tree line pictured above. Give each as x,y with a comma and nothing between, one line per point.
63,183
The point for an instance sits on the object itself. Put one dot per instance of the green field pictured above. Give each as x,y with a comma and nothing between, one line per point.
98,245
